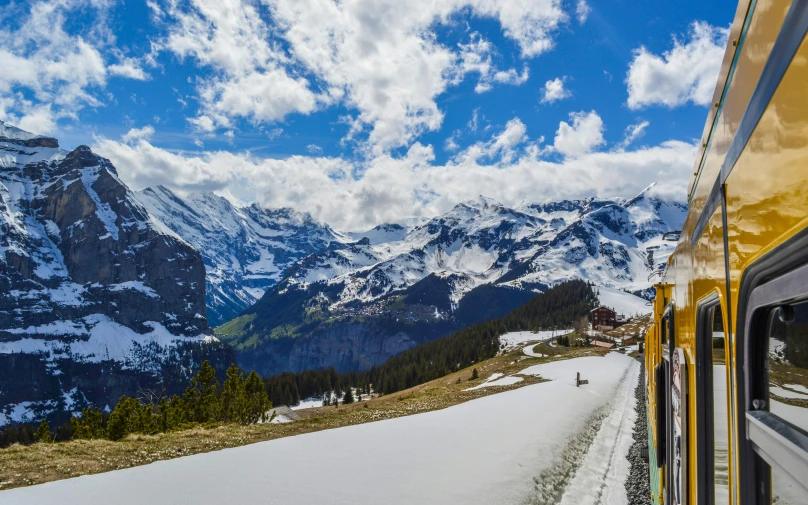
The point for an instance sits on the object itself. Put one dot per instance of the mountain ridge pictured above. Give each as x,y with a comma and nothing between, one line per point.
371,292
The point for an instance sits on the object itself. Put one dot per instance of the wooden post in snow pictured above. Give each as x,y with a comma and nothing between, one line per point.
577,379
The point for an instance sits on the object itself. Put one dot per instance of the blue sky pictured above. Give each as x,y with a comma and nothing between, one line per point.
368,111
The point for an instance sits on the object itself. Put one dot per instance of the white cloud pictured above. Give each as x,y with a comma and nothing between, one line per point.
502,146
250,79
633,132
389,186
129,68
135,134
581,137
477,57
686,73
473,123
450,144
49,73
39,119
202,124
582,10
314,149
554,90
511,76
381,59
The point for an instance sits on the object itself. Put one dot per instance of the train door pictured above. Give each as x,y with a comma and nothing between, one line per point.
713,404
672,413
774,412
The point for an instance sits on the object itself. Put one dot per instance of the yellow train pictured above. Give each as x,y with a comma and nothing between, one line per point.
727,357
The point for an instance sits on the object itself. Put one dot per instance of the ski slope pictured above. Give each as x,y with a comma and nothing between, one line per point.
573,441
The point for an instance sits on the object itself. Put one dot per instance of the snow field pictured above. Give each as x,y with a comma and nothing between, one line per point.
497,379
516,338
484,451
622,302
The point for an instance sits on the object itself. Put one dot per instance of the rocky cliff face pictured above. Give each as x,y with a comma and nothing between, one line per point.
245,249
96,297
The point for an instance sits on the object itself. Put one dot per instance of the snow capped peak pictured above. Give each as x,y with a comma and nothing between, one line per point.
480,204
19,148
8,131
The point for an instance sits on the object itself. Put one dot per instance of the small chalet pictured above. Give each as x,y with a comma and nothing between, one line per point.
604,319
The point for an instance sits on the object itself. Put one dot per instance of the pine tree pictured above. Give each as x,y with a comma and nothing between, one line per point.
43,433
209,406
234,400
475,374
124,419
257,401
90,425
348,398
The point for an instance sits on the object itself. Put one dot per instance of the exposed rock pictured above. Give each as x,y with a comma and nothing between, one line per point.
94,298
245,249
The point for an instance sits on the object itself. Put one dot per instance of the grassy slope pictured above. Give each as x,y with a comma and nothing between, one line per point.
39,463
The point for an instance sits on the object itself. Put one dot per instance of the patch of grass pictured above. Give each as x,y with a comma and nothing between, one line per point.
234,328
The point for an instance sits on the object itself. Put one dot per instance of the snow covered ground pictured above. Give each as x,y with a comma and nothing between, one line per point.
622,302
573,441
497,379
516,338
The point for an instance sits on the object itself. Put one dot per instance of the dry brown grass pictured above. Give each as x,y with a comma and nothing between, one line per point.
635,327
39,463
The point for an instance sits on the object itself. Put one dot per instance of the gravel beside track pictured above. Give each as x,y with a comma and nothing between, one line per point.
638,487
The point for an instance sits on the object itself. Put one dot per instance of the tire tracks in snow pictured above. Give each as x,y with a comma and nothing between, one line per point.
594,460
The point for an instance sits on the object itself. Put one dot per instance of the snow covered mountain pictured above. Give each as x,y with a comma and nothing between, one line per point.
97,298
613,243
245,250
357,303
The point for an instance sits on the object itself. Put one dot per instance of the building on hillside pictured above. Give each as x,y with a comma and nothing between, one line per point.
604,319
606,345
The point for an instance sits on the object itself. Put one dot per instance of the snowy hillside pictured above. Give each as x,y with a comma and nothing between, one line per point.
551,442
95,295
245,250
623,303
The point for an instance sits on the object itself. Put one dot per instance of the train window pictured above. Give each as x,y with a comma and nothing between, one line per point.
787,370
787,363
666,326
776,398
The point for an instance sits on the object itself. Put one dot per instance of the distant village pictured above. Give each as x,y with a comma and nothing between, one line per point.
611,329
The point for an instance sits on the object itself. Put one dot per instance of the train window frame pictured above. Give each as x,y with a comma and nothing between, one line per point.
705,415
774,440
669,328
